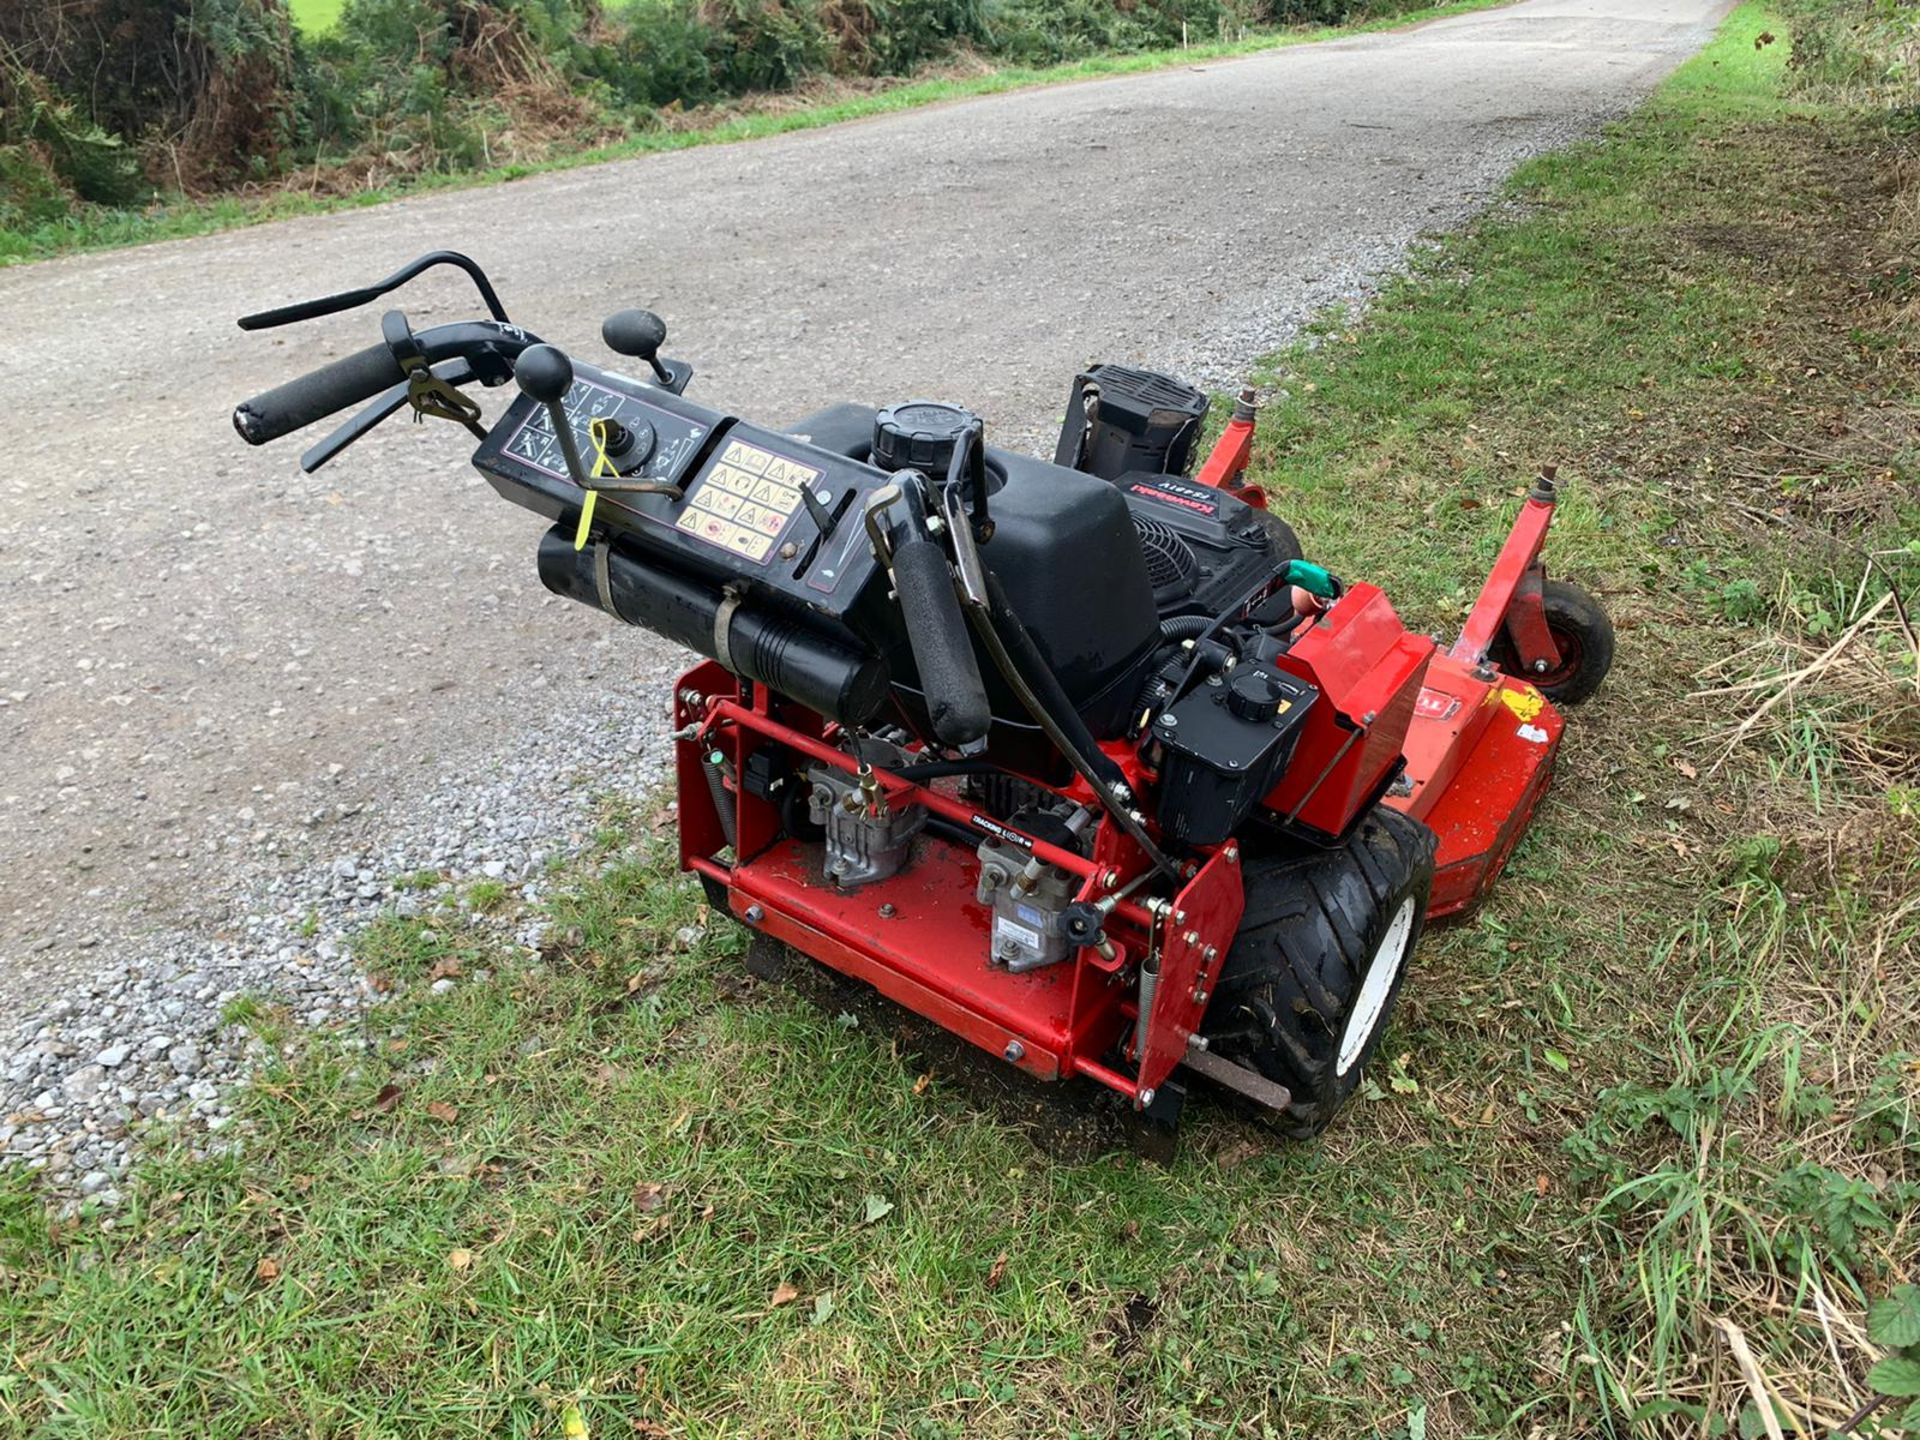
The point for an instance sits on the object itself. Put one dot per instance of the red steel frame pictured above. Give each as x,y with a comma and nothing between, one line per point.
1477,748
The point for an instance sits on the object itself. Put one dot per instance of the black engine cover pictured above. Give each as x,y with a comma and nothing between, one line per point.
1068,556
1204,548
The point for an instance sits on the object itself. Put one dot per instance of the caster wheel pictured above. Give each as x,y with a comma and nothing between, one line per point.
1582,634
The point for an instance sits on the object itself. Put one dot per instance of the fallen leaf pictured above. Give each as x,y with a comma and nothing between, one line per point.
573,1424
1130,1230
443,1112
822,1308
447,969
1542,1185
1690,771
388,1097
648,1197
1554,1058
998,1272
267,1269
459,1259
873,1208
920,1085
783,1294
707,1214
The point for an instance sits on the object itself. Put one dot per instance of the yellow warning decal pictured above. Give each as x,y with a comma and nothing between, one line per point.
745,499
1525,702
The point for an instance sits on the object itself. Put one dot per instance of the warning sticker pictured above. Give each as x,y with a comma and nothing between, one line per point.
1435,704
745,500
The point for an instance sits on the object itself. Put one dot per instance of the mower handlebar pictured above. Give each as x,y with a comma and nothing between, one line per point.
314,396
490,346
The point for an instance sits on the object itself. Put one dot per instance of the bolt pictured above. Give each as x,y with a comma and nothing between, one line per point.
1199,997
1232,854
1179,917
1169,722
755,914
1192,937
1146,1098
887,912
1112,877
1212,954
1015,1050
1539,667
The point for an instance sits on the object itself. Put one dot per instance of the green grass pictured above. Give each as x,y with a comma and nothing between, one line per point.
99,228
1664,1079
316,17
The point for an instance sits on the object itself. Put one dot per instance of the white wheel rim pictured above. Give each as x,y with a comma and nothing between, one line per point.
1388,959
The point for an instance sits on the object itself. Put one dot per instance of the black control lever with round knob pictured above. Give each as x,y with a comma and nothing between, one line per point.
640,334
545,374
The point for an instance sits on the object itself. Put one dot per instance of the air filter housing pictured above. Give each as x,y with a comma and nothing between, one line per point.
1139,420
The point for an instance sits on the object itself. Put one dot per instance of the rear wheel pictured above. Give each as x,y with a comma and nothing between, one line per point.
1582,634
1321,954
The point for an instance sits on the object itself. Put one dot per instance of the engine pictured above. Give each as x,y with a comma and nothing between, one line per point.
1151,635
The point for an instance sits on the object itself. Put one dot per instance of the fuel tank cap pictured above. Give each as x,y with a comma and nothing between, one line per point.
919,434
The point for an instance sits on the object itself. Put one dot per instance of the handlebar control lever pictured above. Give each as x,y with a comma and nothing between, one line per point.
545,374
639,334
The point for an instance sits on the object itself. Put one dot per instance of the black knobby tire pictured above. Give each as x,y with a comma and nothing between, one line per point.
1582,634
1286,544
1294,993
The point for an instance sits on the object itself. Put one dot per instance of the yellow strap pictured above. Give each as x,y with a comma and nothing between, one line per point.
602,466
586,520
597,432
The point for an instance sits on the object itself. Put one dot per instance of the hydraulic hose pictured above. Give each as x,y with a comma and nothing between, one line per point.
1038,674
1060,721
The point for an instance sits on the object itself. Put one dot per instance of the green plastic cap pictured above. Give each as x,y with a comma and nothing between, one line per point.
1313,579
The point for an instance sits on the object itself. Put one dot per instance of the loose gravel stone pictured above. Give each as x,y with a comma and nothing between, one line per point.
84,1074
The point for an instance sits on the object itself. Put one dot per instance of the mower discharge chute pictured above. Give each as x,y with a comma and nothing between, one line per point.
1079,759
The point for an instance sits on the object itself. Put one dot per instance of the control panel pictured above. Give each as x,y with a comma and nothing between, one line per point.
714,494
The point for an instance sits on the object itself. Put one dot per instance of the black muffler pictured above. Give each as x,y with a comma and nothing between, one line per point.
776,650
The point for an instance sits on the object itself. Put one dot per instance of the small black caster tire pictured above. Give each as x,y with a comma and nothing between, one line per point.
1311,980
1582,634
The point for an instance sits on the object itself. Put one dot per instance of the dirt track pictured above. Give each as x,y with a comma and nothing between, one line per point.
217,670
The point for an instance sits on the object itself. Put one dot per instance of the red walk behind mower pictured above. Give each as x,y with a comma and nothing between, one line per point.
1080,760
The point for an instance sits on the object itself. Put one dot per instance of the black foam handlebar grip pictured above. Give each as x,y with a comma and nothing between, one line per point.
286,408
942,645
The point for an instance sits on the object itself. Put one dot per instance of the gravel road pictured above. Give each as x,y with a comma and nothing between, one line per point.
237,702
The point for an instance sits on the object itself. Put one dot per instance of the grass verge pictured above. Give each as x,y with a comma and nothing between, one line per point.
1643,1142
827,103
